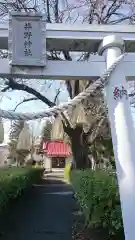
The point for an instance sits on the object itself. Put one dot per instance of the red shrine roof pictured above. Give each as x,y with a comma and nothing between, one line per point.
57,149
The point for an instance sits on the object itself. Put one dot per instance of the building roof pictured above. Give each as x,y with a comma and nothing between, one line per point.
57,149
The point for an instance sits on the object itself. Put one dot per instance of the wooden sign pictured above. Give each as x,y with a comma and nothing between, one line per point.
27,39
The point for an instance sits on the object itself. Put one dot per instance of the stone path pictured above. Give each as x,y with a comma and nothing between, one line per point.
45,213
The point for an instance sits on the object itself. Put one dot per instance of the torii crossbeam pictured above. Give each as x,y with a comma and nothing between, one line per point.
61,37
75,37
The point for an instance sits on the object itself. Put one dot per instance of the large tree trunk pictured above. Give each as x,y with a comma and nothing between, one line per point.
79,147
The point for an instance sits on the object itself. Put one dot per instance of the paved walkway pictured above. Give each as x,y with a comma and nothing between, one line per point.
45,213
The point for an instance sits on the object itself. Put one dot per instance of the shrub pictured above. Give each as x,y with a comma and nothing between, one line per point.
97,193
14,180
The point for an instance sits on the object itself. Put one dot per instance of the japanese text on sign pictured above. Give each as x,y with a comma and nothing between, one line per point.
120,93
27,39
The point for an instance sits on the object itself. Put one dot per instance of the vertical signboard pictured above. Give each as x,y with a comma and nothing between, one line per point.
27,39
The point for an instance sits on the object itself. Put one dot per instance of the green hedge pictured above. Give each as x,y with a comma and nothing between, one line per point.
97,193
14,180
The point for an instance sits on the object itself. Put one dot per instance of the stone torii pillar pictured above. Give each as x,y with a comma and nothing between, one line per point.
122,129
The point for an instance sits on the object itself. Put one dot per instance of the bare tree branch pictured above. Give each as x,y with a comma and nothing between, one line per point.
57,94
56,11
24,101
20,86
48,11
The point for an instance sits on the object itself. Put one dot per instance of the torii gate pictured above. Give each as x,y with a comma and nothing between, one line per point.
28,39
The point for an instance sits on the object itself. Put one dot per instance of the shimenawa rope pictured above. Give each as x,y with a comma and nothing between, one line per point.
99,83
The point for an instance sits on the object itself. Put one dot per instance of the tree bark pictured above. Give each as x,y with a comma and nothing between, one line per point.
79,145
